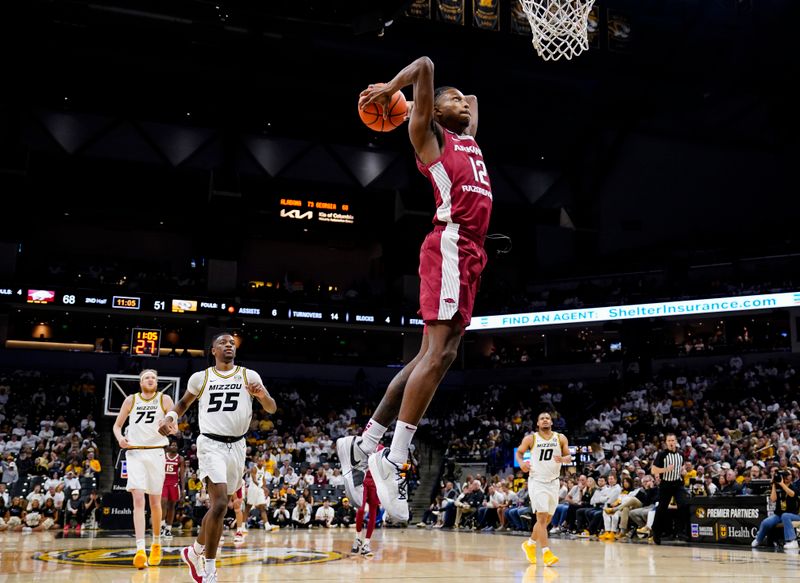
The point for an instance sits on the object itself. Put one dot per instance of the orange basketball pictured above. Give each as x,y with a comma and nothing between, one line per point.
372,115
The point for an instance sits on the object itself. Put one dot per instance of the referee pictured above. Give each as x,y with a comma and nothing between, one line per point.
668,464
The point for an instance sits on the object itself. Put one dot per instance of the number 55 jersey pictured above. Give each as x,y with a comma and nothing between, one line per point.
225,411
225,406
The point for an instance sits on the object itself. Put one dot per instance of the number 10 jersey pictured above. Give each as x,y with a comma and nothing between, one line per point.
544,468
225,406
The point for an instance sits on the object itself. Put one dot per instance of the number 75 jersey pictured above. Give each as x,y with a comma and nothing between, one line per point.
225,406
146,414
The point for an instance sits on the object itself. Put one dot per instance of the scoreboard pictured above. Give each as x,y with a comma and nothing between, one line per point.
145,341
195,306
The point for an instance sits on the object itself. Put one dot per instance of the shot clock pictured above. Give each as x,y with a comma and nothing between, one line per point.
145,342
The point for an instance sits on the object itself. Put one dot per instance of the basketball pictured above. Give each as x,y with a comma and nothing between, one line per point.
372,114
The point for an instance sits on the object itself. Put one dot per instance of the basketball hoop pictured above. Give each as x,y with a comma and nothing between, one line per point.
559,27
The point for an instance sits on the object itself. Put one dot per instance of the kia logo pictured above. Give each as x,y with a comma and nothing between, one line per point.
296,214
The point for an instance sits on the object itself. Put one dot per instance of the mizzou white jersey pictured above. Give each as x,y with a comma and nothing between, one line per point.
225,406
261,474
543,467
142,431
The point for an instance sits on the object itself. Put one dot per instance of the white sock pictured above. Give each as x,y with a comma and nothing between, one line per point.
360,536
156,539
371,437
140,544
531,542
198,548
545,549
366,543
403,434
211,566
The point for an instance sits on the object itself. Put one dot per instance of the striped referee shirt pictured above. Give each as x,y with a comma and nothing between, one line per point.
675,459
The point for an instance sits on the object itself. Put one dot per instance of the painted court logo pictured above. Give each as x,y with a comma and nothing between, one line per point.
121,557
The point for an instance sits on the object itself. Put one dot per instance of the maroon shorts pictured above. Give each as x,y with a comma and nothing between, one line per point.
450,266
171,492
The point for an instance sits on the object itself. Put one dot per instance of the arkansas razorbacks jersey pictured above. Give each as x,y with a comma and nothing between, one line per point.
461,184
172,466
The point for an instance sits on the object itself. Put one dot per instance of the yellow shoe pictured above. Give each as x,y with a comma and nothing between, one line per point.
155,555
140,559
530,551
549,559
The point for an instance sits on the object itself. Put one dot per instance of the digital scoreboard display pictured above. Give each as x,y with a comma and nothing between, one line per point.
313,209
145,342
126,302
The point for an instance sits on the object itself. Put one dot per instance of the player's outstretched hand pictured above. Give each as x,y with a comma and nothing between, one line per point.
379,94
167,426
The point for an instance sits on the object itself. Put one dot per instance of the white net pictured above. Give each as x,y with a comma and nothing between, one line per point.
559,27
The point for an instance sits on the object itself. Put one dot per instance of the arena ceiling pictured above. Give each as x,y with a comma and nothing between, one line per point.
263,93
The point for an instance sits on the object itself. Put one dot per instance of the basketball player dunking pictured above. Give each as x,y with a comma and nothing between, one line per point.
549,450
173,485
145,459
442,127
224,393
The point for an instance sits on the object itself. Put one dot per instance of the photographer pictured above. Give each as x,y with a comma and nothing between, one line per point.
785,497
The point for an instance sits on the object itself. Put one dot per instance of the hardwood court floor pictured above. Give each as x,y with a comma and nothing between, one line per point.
400,555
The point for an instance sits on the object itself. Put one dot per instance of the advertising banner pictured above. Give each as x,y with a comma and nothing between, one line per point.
729,520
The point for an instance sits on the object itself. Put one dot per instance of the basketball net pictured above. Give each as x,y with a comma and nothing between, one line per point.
559,27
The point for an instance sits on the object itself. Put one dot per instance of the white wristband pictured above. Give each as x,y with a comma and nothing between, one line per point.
173,415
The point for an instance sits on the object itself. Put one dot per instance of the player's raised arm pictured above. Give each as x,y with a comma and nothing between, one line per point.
472,128
124,411
420,124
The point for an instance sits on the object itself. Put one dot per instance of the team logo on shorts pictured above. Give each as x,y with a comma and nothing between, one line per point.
119,557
